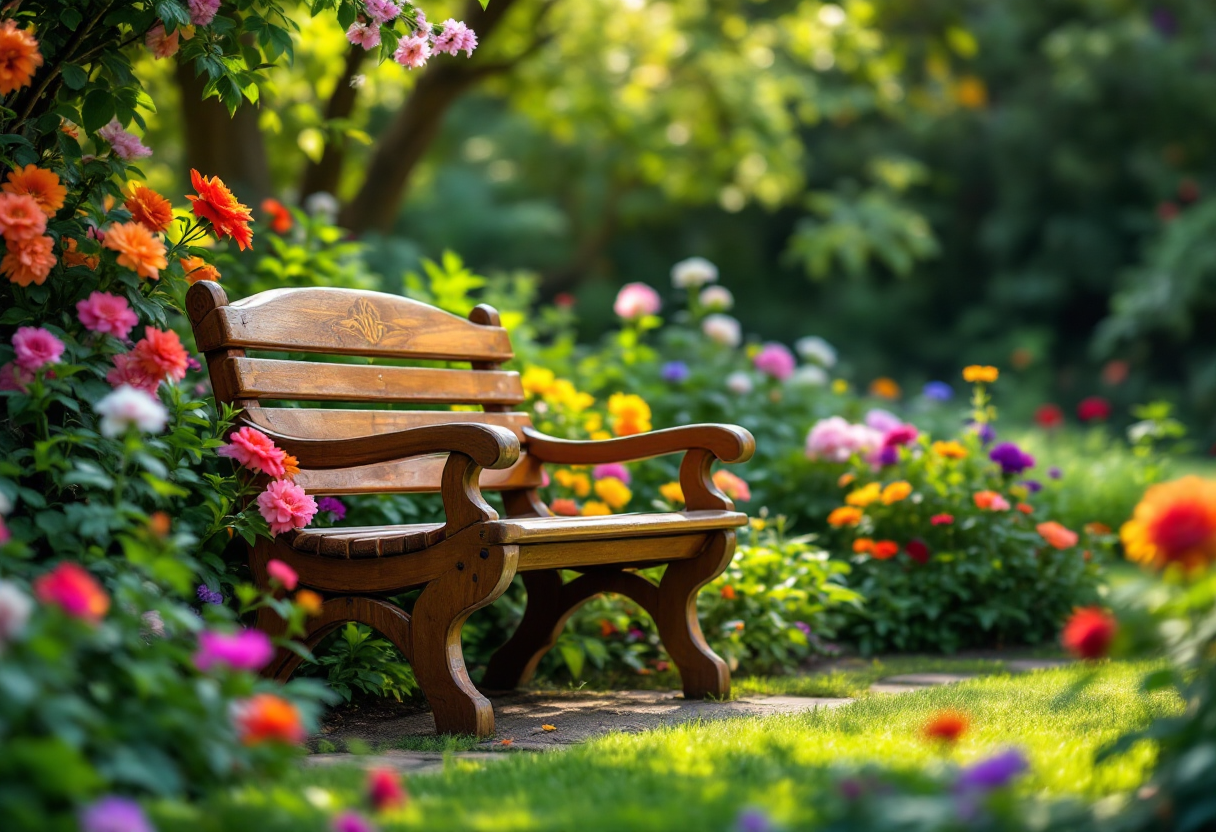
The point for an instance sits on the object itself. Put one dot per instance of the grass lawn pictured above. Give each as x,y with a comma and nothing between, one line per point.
699,776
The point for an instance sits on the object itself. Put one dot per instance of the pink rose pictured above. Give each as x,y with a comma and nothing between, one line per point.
775,360
636,300
284,574
243,650
256,451
835,440
36,348
285,506
108,314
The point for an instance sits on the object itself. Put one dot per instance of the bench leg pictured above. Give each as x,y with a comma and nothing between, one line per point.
438,615
702,671
545,615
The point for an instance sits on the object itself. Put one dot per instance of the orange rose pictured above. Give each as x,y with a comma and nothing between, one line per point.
137,249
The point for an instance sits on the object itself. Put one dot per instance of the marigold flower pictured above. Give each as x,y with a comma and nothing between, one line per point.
161,353
672,492
28,261
885,388
862,545
537,381
280,216
1175,522
613,492
884,549
72,257
980,373
285,506
265,717
564,507
384,789
895,492
242,650
728,593
38,183
950,450
196,269
844,516
255,451
580,484
107,314
148,208
70,587
594,508
1089,632
630,414
309,601
946,726
282,574
137,249
864,496
216,204
942,519
732,486
19,57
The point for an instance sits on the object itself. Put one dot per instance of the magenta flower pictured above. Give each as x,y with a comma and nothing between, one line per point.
14,377
351,822
636,300
114,814
126,145
243,650
256,451
612,469
775,360
455,37
902,435
994,772
285,506
36,348
360,34
107,314
333,506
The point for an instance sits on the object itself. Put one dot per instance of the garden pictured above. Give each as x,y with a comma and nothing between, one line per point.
349,348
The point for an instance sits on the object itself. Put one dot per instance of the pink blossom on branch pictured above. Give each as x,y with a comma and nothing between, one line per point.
160,44
107,314
360,34
382,11
285,506
455,37
413,53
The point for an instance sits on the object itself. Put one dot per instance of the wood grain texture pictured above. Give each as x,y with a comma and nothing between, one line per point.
312,381
628,552
702,671
326,423
728,443
347,322
610,526
411,476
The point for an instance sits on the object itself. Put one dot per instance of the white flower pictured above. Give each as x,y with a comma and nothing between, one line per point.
695,271
814,348
722,329
5,505
739,383
15,609
322,204
717,297
127,406
809,375
152,625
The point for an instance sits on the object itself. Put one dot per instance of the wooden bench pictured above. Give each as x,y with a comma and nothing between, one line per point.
468,561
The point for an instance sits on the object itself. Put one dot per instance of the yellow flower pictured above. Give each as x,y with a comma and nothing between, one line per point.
1019,491
564,393
1175,522
594,508
537,380
601,435
840,387
950,450
593,423
672,492
845,479
862,497
758,523
971,92
980,373
578,483
885,388
895,492
845,516
613,492
630,414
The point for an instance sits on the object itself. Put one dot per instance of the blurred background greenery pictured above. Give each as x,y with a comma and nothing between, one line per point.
924,183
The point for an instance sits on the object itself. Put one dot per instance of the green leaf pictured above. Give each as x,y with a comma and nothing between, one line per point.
173,13
74,76
98,109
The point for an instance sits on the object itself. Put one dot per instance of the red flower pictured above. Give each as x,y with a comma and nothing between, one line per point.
564,507
70,587
1093,408
280,216
942,519
884,549
917,550
268,718
1089,632
565,300
1049,416
1025,508
728,593
946,726
1167,211
384,789
215,203
160,353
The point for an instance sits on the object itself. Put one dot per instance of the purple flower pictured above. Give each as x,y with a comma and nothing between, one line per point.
114,814
851,788
938,391
351,822
1165,22
803,627
1054,473
886,456
882,421
753,820
243,650
985,433
334,506
675,372
994,772
1033,486
1011,458
208,595
635,634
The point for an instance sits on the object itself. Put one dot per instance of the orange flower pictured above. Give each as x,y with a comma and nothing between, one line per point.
21,217
43,185
28,261
1097,528
732,485
216,204
607,628
71,257
1057,535
672,492
160,524
291,467
946,726
309,601
971,92
844,516
862,497
862,545
280,216
990,500
19,57
1025,508
728,593
160,353
137,249
148,208
265,717
1175,522
594,508
564,507
896,492
981,373
196,269
884,549
950,450
845,480
885,388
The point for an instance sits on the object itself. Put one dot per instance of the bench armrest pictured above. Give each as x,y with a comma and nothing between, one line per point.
703,445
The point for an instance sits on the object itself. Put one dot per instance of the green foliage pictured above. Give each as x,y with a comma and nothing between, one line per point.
357,661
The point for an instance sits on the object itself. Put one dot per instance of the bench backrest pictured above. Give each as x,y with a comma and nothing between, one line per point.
320,321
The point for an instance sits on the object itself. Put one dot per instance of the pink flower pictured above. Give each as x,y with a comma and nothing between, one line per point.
129,370
775,360
285,506
256,451
70,587
363,35
284,574
455,36
636,300
202,12
612,469
106,313
835,440
5,536
243,650
382,11
14,377
882,420
36,348
942,519
351,822
162,45
126,145
413,52
901,435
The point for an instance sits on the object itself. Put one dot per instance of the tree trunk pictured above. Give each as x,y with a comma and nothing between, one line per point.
409,135
325,174
219,145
